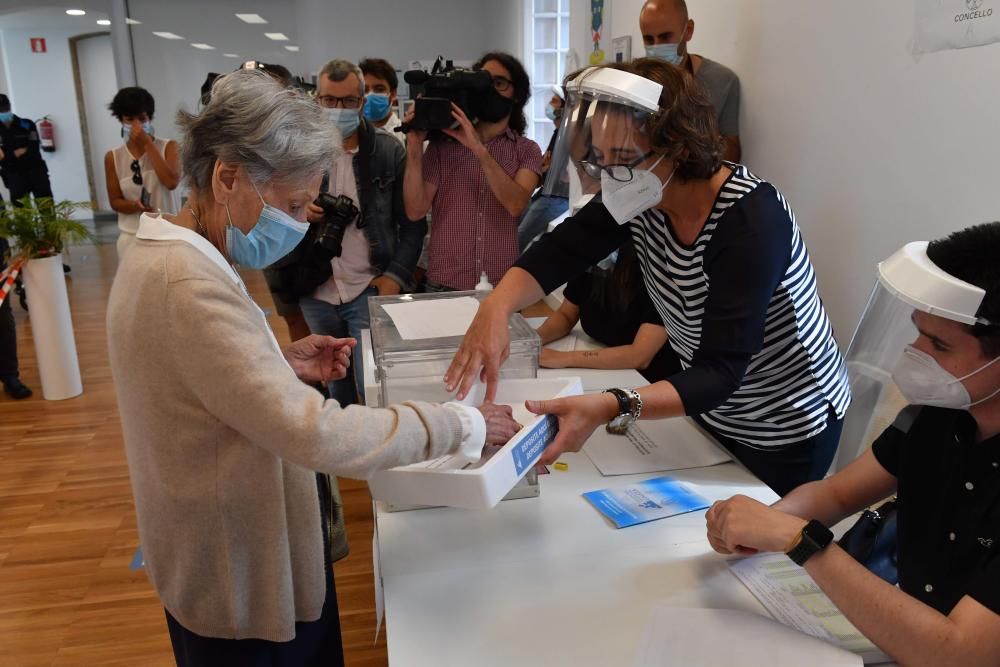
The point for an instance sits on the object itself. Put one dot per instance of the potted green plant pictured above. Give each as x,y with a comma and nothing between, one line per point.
41,229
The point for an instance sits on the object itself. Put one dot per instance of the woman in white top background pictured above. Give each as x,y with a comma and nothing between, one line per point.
143,173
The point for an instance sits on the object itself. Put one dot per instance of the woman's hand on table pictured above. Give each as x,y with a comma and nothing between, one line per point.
484,348
500,423
320,358
578,417
744,526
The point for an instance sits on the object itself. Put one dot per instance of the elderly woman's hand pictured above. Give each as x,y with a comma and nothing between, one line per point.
320,358
500,423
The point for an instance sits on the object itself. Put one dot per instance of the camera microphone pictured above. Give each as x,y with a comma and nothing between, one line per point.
415,77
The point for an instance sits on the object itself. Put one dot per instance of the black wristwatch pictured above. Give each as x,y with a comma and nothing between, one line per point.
814,538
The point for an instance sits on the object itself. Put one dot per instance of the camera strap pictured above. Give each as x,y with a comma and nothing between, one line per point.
366,145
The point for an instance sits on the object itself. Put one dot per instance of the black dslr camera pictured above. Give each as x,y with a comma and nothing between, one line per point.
338,213
436,91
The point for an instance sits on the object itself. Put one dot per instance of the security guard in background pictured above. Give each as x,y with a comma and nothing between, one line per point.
21,164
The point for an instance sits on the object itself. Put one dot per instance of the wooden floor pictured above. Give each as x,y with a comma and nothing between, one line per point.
67,519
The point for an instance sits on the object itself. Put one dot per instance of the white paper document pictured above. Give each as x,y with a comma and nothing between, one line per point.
435,318
793,598
730,638
653,446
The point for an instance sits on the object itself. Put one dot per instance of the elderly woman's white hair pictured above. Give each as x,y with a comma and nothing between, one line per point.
273,132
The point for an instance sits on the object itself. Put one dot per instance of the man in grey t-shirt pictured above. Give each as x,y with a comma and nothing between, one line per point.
666,29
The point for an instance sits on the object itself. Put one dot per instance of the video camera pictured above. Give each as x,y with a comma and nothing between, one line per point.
435,92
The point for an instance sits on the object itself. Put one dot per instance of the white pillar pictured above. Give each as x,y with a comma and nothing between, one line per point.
121,43
52,328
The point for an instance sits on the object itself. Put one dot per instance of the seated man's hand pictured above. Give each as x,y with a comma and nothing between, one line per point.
744,526
500,423
19,152
320,358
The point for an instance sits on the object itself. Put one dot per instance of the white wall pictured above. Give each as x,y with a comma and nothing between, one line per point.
872,147
42,84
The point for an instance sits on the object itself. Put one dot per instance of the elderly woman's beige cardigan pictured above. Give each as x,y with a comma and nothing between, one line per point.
222,440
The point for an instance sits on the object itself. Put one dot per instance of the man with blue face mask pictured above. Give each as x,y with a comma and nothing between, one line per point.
930,338
666,30
380,248
23,170
381,84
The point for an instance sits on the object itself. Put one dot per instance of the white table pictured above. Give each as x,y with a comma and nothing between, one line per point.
547,580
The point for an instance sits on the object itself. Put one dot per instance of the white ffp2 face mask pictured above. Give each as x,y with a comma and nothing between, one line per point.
625,201
922,381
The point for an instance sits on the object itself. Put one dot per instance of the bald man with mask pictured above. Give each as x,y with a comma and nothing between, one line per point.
666,30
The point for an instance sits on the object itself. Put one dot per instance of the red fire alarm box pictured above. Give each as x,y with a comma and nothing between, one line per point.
38,45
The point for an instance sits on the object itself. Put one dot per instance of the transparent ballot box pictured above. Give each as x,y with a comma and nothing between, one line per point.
414,338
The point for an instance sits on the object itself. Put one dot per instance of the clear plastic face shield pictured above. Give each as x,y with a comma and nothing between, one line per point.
887,372
603,133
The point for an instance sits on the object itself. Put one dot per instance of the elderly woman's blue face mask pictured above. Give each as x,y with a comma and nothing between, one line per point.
275,235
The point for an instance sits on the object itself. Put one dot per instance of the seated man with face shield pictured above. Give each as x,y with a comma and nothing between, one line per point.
932,331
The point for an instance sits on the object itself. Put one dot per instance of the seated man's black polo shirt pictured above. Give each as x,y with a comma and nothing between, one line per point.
949,506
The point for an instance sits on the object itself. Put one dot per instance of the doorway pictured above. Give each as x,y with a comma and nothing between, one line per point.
94,74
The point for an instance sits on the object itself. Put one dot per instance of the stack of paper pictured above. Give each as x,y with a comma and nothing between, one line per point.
729,638
653,446
793,598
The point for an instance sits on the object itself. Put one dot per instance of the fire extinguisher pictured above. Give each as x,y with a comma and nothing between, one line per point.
47,134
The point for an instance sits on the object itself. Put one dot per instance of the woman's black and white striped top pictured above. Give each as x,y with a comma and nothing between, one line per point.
760,364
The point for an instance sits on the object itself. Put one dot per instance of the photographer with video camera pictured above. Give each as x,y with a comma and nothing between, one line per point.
360,242
478,171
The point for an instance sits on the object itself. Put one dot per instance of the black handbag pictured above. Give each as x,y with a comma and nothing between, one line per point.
872,541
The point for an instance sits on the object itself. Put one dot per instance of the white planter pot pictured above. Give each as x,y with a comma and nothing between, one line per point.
52,328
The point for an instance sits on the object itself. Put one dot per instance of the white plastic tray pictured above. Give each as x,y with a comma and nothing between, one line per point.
454,482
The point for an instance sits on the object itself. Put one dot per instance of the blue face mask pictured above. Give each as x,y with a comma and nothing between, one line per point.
551,113
275,235
376,106
6,116
346,120
666,52
147,127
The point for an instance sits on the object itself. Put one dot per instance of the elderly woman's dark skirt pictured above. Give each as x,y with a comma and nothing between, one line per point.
316,644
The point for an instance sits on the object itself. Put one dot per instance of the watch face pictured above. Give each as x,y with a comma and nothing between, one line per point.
619,425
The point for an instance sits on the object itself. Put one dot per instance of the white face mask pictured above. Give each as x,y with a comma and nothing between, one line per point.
625,201
922,381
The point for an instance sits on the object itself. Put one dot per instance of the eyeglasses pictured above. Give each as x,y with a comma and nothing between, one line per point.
501,84
332,102
619,172
136,172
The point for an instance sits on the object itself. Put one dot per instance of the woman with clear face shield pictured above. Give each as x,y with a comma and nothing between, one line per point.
723,261
222,433
925,359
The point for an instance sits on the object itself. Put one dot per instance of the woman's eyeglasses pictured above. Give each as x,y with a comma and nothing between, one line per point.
619,172
136,172
501,84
